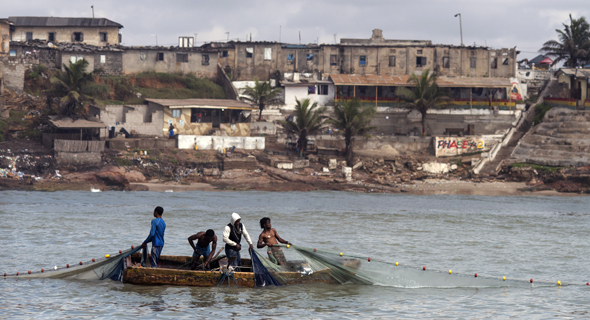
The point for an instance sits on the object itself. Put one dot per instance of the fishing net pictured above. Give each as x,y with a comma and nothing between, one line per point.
261,274
351,269
99,269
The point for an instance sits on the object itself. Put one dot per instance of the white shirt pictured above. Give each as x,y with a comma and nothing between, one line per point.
227,231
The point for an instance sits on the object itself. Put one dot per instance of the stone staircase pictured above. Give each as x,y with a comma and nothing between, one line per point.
562,139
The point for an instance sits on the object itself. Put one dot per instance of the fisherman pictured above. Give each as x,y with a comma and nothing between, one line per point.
156,236
269,237
232,235
203,247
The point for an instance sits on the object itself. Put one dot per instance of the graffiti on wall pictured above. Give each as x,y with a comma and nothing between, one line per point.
452,146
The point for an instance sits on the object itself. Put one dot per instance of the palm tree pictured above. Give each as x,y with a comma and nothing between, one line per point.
573,46
308,120
426,94
73,87
351,119
262,95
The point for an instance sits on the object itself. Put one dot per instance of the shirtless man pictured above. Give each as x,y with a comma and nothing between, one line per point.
269,237
202,248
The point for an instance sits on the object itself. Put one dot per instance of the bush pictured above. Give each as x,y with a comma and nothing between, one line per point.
122,162
540,111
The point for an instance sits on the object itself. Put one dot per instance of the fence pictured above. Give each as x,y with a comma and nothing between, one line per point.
48,138
78,146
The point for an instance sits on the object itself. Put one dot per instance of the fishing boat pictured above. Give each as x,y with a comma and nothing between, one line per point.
175,270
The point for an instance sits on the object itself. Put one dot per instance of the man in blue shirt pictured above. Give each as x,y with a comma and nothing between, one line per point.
156,236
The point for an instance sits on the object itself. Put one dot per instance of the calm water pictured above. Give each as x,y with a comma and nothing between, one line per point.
545,238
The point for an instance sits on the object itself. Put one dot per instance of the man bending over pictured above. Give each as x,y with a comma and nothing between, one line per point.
203,248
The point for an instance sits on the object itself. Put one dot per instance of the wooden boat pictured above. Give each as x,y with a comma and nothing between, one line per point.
175,270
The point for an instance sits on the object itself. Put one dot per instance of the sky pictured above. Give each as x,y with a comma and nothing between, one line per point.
524,24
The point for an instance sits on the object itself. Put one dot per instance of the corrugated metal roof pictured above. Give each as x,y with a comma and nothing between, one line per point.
402,80
62,22
203,103
576,72
69,123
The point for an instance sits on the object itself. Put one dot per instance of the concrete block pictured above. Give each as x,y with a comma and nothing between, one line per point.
332,164
300,163
325,170
346,171
357,165
285,165
211,172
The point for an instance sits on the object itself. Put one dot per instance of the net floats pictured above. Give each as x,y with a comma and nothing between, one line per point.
29,271
81,263
42,270
5,274
558,283
476,274
67,265
531,280
424,268
93,260
396,264
107,255
341,254
503,278
132,248
450,271
315,250
369,259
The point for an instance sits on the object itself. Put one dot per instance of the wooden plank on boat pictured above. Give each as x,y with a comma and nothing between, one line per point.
160,276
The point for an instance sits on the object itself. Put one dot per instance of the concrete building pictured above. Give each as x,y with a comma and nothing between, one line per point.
201,62
204,116
571,89
94,31
143,120
305,86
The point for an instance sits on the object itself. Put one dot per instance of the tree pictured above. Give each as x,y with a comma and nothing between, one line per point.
573,47
425,95
308,120
262,95
351,119
73,87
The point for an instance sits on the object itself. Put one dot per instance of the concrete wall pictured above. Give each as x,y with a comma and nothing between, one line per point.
301,92
64,34
77,158
263,128
401,143
217,142
145,60
183,125
454,146
13,74
124,144
141,118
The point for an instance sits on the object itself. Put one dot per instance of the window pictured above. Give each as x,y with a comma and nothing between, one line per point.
504,61
420,62
224,54
309,56
160,56
323,89
205,60
362,60
311,90
103,58
74,59
175,113
267,53
392,61
249,52
103,37
29,36
182,57
446,62
472,62
290,57
120,38
51,36
13,53
77,37
186,42
494,63
419,51
333,59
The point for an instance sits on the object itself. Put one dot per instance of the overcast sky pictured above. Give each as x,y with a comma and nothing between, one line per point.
524,24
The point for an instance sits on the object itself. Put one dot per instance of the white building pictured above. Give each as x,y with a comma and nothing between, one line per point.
304,86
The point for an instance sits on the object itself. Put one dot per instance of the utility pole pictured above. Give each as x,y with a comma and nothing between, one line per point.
299,37
460,27
156,39
92,6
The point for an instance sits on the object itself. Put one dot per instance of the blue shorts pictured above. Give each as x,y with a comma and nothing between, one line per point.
156,251
202,252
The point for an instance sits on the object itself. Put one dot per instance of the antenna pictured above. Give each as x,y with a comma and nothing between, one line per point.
280,29
92,6
299,37
227,36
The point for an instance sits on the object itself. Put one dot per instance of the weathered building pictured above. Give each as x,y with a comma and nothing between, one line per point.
201,62
94,31
4,36
204,116
571,89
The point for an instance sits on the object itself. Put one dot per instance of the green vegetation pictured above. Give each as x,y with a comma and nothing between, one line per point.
262,95
351,119
424,95
174,151
308,121
540,111
573,45
535,166
122,162
172,159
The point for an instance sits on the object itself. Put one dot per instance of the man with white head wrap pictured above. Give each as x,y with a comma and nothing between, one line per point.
232,236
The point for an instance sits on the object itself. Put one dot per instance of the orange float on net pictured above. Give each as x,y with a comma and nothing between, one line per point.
132,248
17,273
29,271
67,265
424,268
120,251
5,274
531,280
93,260
369,259
42,270
81,263
476,275
314,249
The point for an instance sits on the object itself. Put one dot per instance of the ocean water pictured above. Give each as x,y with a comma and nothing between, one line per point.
544,238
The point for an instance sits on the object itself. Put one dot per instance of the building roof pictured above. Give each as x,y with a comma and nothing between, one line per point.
537,59
576,72
402,80
62,22
203,103
69,123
